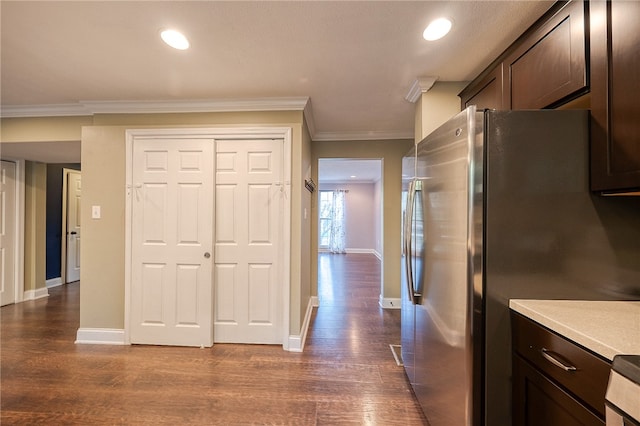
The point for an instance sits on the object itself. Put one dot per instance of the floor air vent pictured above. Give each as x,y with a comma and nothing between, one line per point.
397,354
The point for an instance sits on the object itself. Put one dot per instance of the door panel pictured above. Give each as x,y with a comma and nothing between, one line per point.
249,203
7,232
172,211
260,288
225,279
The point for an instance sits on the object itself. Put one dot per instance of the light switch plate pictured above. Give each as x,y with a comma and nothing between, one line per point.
95,212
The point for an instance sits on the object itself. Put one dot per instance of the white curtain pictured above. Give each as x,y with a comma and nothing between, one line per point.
336,239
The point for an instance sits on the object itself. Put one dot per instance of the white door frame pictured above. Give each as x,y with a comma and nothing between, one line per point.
284,133
19,230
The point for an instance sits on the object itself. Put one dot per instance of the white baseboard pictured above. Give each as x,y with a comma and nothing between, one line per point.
390,302
354,250
100,336
53,282
296,342
359,250
38,293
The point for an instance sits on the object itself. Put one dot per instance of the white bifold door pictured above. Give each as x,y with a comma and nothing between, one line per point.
172,210
249,203
206,245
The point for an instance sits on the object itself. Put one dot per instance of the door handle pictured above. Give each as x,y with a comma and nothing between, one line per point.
73,233
207,255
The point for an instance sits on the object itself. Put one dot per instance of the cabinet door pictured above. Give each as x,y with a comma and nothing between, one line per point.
539,401
549,66
615,88
486,93
538,346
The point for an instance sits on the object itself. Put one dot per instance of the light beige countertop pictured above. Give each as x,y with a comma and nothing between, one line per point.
607,328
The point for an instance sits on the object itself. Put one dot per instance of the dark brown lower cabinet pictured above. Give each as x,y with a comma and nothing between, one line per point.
555,381
539,401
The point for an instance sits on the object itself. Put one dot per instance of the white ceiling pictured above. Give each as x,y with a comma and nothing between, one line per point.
349,170
354,60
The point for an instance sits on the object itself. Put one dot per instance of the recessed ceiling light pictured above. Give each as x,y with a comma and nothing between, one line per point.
353,176
437,29
175,39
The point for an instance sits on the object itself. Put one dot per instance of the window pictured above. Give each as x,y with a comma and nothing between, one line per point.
332,221
326,206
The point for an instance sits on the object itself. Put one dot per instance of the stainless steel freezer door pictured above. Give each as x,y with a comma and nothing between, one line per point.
443,376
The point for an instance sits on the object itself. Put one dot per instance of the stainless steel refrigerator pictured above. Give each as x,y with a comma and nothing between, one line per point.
495,201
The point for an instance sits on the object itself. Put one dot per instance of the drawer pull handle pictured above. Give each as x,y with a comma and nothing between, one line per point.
553,360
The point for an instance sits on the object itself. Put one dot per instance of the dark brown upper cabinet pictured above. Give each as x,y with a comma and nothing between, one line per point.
548,66
615,94
485,92
578,55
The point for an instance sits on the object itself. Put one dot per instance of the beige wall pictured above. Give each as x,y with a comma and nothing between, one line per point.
43,129
103,165
391,151
307,261
377,208
103,240
35,225
436,106
360,214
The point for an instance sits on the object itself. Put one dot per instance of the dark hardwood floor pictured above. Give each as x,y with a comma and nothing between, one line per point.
346,375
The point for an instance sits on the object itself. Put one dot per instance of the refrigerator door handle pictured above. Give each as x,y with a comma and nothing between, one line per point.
408,226
416,293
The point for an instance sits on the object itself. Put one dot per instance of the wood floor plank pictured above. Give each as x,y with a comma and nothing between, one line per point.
346,374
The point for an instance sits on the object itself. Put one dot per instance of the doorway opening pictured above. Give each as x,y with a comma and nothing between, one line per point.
350,206
69,257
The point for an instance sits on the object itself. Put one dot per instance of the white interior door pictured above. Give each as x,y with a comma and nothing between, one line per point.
7,232
74,192
248,227
171,244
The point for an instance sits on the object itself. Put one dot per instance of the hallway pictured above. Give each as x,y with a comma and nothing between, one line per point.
346,375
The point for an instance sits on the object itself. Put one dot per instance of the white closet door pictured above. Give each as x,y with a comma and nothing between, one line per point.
248,227
172,241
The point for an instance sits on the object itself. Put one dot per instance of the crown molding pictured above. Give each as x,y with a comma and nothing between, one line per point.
223,105
361,136
50,110
308,117
89,108
420,86
142,107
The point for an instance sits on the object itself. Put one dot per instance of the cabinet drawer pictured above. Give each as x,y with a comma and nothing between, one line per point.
549,352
